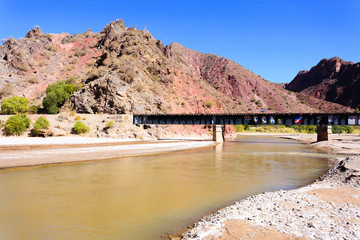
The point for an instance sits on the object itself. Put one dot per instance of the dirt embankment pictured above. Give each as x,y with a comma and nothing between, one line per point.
326,209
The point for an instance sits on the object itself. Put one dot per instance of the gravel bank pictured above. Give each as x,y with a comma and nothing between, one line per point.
327,209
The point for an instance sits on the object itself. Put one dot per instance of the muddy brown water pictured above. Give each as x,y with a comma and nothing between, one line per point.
146,197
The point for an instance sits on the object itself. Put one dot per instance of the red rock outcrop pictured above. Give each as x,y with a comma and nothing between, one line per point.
333,80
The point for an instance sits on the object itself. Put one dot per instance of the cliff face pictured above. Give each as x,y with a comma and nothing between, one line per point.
126,70
332,80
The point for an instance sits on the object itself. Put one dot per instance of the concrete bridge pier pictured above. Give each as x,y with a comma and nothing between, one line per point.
323,133
218,133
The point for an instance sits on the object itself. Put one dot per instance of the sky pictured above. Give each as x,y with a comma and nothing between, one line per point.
273,38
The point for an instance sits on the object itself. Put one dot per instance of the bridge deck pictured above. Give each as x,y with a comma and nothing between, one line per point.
251,119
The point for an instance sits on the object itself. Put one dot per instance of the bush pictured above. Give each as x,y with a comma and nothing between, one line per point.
15,105
348,129
239,128
34,109
77,118
336,129
342,129
110,124
209,104
18,124
40,124
72,113
56,95
304,128
258,103
80,128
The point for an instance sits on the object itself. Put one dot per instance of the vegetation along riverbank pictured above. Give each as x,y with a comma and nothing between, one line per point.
327,209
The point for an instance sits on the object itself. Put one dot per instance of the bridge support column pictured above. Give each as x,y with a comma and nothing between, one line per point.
323,133
218,133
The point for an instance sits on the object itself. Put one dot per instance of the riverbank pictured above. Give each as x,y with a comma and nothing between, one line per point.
326,209
22,151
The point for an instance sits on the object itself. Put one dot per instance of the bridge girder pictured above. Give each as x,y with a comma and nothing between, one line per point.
250,119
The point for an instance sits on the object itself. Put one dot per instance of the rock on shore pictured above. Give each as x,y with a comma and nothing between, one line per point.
328,209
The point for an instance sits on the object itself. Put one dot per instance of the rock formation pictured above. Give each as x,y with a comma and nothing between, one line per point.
126,70
333,80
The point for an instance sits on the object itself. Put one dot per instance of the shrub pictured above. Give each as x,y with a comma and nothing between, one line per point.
15,105
34,109
209,104
253,100
40,124
110,124
258,103
342,129
72,113
56,95
80,128
304,128
18,124
77,118
239,128
336,129
348,129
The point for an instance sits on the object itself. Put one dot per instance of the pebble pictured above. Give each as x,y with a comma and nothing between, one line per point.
308,217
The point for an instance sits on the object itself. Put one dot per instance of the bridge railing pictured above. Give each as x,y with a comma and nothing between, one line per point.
250,119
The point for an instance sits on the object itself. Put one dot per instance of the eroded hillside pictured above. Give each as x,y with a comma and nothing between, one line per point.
126,70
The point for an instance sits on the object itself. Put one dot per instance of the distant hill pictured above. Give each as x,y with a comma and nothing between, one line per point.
333,80
126,70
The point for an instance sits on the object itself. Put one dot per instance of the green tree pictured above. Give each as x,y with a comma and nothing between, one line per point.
56,95
18,124
15,105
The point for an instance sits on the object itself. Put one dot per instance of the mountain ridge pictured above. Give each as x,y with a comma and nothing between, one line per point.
126,70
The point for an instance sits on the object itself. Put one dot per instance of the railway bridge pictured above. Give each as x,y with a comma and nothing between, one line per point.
324,121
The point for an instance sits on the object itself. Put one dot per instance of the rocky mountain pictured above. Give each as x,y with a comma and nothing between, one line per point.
333,80
126,70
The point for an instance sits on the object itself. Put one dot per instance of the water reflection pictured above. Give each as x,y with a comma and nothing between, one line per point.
143,197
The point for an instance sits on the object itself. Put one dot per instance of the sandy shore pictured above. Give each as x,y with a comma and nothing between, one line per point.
326,209
20,152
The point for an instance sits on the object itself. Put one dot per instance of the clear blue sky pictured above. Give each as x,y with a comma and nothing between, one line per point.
274,39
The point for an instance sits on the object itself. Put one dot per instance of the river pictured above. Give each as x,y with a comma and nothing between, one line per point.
144,197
